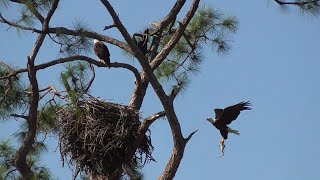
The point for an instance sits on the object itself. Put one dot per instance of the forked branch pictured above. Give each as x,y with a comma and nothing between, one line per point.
176,37
149,120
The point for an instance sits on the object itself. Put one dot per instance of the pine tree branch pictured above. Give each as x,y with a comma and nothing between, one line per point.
90,34
109,27
10,23
74,58
20,160
9,172
19,116
176,37
66,31
134,48
169,20
179,143
149,120
91,80
171,16
298,3
32,9
190,135
139,92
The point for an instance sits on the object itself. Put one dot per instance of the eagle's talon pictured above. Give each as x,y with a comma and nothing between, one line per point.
222,146
224,117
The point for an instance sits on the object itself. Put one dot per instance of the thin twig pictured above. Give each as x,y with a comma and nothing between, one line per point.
91,80
109,27
298,3
9,172
149,120
19,116
176,37
190,135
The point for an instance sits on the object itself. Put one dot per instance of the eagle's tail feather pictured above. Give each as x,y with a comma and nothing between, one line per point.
233,131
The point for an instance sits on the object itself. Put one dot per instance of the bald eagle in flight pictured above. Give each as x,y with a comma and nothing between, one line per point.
101,50
226,116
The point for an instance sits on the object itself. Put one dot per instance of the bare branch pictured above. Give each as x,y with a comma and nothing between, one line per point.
74,58
109,27
166,102
134,48
298,3
66,31
10,172
51,12
190,135
149,120
21,155
176,37
136,52
19,116
90,34
92,78
47,89
140,91
171,15
10,23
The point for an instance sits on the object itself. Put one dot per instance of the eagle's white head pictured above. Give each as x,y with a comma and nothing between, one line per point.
95,41
211,120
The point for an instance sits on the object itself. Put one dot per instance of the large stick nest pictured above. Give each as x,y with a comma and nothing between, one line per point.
96,136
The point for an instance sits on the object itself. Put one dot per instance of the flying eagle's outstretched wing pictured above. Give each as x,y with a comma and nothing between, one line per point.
218,113
232,112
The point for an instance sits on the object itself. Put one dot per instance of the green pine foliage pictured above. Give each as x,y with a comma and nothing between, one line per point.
26,17
208,26
38,5
312,7
9,172
75,79
74,45
12,94
307,7
48,118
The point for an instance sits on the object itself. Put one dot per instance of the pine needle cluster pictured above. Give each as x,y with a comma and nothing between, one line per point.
208,26
9,172
13,96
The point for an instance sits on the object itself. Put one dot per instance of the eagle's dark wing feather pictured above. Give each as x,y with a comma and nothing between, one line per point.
218,113
102,51
232,112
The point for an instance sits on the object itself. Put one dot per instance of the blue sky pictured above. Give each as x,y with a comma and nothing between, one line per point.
273,63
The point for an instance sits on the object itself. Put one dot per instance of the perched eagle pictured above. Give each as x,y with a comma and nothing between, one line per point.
102,52
226,116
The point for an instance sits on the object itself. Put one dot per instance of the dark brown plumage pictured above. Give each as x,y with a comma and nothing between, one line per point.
143,42
226,116
101,50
